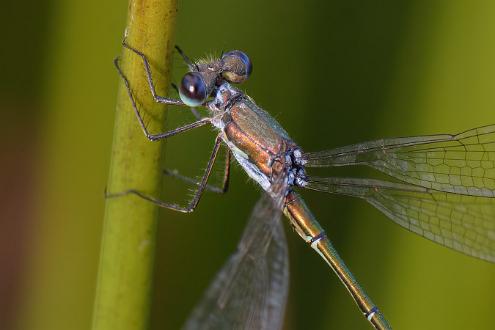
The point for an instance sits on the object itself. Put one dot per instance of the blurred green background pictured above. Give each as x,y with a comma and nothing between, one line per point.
333,73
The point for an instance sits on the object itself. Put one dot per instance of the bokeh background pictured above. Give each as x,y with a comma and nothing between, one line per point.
332,72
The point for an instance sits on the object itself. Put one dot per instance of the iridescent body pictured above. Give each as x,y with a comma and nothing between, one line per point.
446,195
264,150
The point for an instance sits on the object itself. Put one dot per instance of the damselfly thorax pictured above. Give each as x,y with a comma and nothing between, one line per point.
258,142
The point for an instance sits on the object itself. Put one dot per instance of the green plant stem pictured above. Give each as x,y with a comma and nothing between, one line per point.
124,286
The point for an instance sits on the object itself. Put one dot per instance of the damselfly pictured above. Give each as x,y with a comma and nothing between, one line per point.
446,193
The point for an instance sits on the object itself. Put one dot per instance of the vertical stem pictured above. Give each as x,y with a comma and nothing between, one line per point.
123,294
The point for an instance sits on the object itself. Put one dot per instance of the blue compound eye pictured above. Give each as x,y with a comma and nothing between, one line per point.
192,90
237,66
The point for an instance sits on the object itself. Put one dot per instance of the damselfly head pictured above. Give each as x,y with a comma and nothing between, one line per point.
236,66
206,75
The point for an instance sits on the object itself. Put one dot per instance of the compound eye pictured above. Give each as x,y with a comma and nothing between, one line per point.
192,90
237,66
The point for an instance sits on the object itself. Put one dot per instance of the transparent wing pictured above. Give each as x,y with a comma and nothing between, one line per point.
250,291
462,163
462,222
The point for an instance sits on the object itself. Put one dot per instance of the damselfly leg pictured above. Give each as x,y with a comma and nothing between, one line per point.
159,136
187,60
149,77
197,195
155,137
219,190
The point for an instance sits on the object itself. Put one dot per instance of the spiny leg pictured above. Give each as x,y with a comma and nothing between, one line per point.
147,69
226,172
196,113
219,190
159,136
197,195
190,64
149,77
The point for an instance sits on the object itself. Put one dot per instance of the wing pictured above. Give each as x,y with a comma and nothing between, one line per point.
251,289
462,222
462,163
